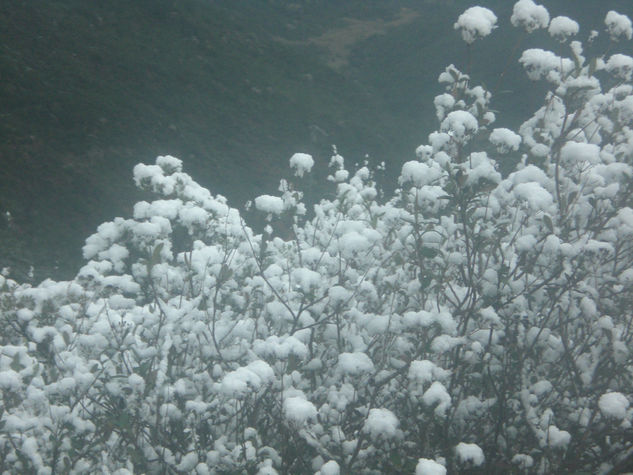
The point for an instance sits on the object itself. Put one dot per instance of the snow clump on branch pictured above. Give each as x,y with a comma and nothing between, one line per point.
476,22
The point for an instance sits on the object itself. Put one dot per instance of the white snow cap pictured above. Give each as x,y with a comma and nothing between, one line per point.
460,124
469,453
425,371
329,468
541,64
523,461
557,437
169,164
437,394
562,28
618,26
429,467
529,15
613,405
299,410
476,22
302,163
355,363
505,140
420,174
620,66
269,204
247,378
576,152
381,423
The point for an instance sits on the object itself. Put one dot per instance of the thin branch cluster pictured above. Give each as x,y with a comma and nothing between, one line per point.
471,322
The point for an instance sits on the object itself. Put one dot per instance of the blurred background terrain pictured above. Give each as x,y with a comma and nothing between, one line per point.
89,89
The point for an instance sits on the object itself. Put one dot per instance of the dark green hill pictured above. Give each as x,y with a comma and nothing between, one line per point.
88,89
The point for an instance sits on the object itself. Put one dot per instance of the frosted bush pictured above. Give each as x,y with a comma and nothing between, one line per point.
618,26
469,321
469,453
614,405
620,66
529,16
381,423
505,140
429,467
302,163
476,22
562,28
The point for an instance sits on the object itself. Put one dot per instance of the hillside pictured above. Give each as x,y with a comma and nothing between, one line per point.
89,89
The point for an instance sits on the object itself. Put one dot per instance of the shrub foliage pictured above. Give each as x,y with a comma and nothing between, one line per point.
470,322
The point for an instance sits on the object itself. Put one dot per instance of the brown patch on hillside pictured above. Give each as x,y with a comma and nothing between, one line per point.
338,42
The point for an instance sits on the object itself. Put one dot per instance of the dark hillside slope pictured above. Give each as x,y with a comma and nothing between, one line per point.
88,89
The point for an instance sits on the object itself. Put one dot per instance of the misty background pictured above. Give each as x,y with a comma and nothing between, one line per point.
233,88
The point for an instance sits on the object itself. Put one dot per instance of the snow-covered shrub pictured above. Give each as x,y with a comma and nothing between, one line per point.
472,321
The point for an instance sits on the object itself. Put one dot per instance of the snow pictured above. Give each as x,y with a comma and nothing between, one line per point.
424,319
340,175
537,197
528,174
580,153
541,64
329,468
169,164
437,394
192,215
523,461
188,462
203,347
490,316
444,343
166,208
613,404
301,163
476,22
530,16
351,243
266,468
25,315
459,124
425,152
619,26
280,347
626,277
355,363
620,66
381,423
439,140
557,437
254,375
269,204
505,140
526,243
469,453
425,371
443,103
10,380
30,448
419,174
305,278
562,28
298,410
338,295
429,467
595,246
480,167
541,387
